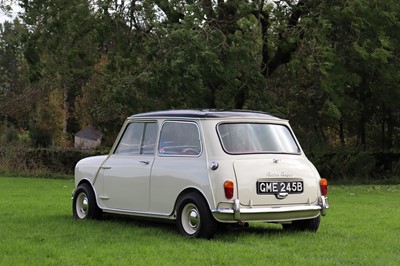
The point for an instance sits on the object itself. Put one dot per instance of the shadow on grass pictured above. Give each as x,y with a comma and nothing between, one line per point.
225,233
262,230
165,226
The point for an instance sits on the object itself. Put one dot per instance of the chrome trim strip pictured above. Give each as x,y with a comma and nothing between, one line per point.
267,210
104,197
140,213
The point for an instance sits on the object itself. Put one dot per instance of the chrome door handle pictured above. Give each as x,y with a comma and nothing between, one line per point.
105,167
145,162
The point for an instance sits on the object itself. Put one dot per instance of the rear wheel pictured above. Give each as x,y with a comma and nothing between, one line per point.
84,204
194,219
310,225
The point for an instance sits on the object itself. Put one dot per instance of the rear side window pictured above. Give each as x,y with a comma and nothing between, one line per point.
179,139
240,138
138,138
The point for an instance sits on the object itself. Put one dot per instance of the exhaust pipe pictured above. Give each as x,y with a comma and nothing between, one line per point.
244,225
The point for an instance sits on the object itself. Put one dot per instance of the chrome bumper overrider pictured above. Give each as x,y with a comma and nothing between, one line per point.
323,202
272,214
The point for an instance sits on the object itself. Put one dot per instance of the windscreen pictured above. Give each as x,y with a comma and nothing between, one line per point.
239,138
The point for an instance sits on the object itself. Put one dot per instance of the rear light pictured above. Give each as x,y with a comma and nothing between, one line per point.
324,186
228,188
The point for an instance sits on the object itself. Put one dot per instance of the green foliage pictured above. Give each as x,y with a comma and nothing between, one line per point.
330,67
360,53
41,136
340,87
396,168
10,135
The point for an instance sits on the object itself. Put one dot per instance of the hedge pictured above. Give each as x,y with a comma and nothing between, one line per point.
341,166
55,161
357,165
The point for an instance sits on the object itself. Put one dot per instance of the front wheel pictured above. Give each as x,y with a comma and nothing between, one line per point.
84,204
310,225
194,219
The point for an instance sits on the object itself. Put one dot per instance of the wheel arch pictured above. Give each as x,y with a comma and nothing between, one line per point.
87,181
84,181
187,191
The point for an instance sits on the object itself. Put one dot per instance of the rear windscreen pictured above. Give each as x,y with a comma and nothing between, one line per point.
239,138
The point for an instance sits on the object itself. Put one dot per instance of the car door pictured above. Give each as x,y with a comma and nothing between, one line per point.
126,172
181,164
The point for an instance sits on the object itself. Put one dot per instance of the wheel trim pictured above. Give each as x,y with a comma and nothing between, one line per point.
190,218
82,205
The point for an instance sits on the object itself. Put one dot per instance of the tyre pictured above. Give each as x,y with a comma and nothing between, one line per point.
194,219
310,225
84,204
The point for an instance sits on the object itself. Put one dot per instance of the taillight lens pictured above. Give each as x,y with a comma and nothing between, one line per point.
324,186
228,188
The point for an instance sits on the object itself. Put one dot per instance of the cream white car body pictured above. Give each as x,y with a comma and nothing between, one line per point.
150,183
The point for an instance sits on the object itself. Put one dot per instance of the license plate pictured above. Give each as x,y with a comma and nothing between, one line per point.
273,187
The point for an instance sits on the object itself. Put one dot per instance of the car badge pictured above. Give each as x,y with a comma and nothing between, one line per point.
281,195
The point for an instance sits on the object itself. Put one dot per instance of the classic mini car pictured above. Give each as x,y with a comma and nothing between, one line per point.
203,168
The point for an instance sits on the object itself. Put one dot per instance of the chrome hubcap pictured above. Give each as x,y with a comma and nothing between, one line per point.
190,218
193,218
82,205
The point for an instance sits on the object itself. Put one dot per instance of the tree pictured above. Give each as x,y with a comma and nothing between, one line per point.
329,66
362,64
15,104
342,80
61,51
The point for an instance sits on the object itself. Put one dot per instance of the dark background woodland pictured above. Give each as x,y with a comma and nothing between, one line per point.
331,67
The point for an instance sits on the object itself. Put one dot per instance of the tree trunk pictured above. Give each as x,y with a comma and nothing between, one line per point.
383,129
240,99
341,132
361,132
390,127
65,107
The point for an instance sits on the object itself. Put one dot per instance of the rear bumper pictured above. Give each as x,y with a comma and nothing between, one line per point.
271,214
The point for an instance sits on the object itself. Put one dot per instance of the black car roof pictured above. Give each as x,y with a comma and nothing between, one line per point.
205,113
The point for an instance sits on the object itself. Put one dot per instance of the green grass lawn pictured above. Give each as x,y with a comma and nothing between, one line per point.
36,228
